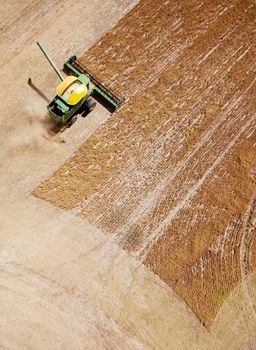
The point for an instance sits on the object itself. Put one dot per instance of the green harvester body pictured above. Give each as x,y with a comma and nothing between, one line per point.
61,111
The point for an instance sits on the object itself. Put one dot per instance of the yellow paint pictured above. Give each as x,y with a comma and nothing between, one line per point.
77,94
71,90
65,84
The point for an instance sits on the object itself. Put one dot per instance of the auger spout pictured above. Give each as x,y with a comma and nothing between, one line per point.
50,61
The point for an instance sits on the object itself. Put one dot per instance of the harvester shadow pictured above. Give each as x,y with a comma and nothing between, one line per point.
39,92
103,102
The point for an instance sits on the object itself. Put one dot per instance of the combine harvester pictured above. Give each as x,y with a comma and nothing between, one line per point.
77,92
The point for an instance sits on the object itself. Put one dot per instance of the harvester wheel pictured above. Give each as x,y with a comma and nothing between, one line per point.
90,103
72,121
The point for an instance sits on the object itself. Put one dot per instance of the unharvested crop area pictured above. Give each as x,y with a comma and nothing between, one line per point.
172,175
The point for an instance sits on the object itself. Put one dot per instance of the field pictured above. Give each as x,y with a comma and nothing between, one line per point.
171,174
135,230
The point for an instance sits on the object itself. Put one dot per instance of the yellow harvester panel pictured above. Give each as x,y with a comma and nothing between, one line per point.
71,90
65,84
77,94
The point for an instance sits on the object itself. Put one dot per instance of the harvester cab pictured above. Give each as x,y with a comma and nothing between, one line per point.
78,92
